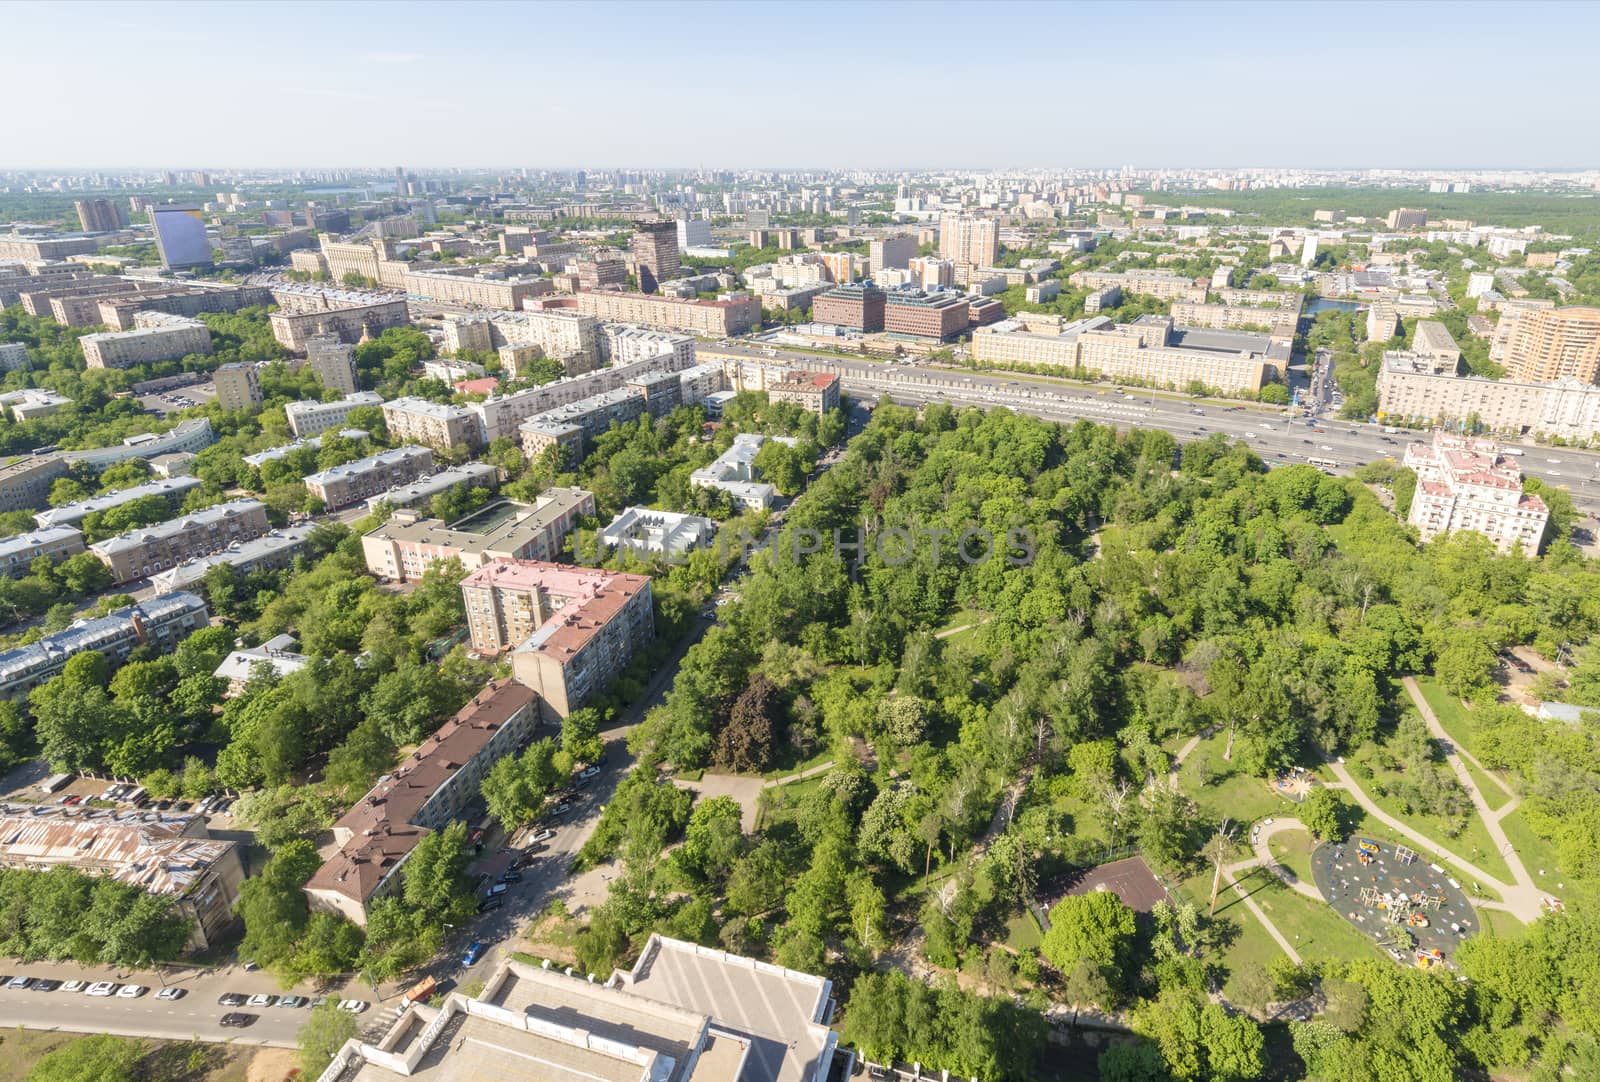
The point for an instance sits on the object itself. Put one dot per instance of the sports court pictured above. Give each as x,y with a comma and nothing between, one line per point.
1374,885
1130,879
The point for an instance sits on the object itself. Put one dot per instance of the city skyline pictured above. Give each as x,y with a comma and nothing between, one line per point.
1052,86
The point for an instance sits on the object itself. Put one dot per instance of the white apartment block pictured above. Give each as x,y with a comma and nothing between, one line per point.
1466,484
168,339
309,418
1413,391
562,334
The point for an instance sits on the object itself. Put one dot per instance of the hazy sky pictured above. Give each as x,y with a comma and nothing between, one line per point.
801,84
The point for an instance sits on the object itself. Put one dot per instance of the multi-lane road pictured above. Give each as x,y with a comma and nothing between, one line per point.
1274,437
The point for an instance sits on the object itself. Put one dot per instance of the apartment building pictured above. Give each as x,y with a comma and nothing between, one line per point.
100,215
473,289
407,544
574,425
1433,339
163,620
571,630
435,424
238,386
309,418
857,305
1411,388
429,485
55,543
38,249
894,252
1163,284
170,339
334,362
1278,322
940,316
734,472
600,272
841,267
815,392
522,337
1467,484
655,252
119,312
711,319
621,344
425,793
344,258
173,490
1554,344
304,311
151,549
353,482
14,357
969,241
272,551
170,856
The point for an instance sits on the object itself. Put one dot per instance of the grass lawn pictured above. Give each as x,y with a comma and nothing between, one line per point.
962,618
1368,827
1225,791
779,801
1494,922
823,756
1022,932
1539,857
1315,929
1293,849
1493,795
1456,719
22,1049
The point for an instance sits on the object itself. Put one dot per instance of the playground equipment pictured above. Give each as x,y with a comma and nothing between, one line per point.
1404,855
1399,907
1369,847
1427,959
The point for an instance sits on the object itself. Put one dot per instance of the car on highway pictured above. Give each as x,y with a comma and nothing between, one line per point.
293,1002
44,984
170,993
354,1006
103,988
237,1019
74,986
131,991
261,999
1323,447
474,952
231,999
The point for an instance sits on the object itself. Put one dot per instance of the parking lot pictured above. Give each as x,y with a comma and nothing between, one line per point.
196,394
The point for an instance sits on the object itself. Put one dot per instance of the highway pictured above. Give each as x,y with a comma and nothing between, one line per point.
1274,437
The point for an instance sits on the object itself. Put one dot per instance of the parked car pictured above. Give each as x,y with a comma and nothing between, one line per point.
237,1019
510,875
354,1006
74,986
131,991
293,1002
490,904
261,999
18,983
317,1001
543,835
45,985
495,891
103,988
230,999
474,952
172,993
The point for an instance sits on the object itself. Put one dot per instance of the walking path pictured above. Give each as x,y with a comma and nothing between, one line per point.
1258,842
1250,904
1452,748
947,632
1188,749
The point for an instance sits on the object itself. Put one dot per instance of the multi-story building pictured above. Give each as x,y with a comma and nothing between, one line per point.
571,629
407,545
173,490
1433,339
1412,387
308,418
942,315
425,793
436,424
712,319
1278,322
1467,484
180,233
1162,284
567,336
347,258
238,386
55,543
890,252
693,233
858,305
32,402
100,215
304,311
169,855
151,549
429,485
734,472
478,290
272,551
167,340
815,392
969,241
841,267
38,249
1406,218
601,272
655,253
657,533
14,357
621,344
186,437
334,362
353,482
1555,344
119,312
574,425
163,621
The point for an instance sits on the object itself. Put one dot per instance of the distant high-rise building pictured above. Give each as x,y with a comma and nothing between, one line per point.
758,219
895,252
1406,218
655,251
238,386
99,215
180,235
693,233
973,242
1555,343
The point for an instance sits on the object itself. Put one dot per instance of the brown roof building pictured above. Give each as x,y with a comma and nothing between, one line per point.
855,305
926,315
425,793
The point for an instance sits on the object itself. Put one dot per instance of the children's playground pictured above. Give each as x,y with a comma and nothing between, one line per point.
1379,887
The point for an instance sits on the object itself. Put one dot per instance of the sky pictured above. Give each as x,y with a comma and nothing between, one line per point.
789,85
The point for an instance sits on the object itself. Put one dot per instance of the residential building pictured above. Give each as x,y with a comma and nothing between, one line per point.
522,337
734,472
684,1013
1406,218
407,544
941,316
1043,292
304,311
600,272
425,793
55,543
163,620
890,252
969,241
344,259
1412,387
168,855
150,549
334,362
14,357
655,252
815,392
424,489
1467,484
238,386
658,533
1554,344
571,630
241,666
169,339
693,233
173,491
1159,283
1479,283
180,233
575,425
857,305
712,319
1433,339
308,418
435,424
120,311
482,291
272,551
353,482
100,215
1107,297
186,437
32,402
1278,322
